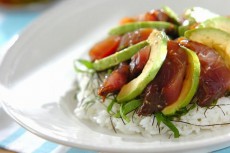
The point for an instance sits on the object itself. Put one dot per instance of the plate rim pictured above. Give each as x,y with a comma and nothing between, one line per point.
185,146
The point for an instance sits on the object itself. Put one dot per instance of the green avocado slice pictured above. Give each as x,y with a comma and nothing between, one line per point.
158,42
171,14
198,14
221,22
118,57
194,15
214,38
129,27
182,29
190,84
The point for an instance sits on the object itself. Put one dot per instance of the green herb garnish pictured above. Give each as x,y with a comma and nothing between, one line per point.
128,107
162,118
110,106
86,64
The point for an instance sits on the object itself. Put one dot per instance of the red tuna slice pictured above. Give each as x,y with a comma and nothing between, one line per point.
115,80
153,15
215,76
138,61
120,76
135,37
104,48
166,87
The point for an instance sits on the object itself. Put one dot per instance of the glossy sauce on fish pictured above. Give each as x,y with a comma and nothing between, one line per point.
215,76
167,85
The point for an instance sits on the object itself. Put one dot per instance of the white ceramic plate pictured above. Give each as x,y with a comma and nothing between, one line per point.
37,74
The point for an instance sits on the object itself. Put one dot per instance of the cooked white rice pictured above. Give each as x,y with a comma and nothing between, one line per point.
90,107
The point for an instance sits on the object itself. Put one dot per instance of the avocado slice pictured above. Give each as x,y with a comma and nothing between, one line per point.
171,14
190,84
158,42
194,15
198,14
118,57
214,38
221,22
129,27
182,29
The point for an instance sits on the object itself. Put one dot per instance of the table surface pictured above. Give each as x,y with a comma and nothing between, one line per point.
12,136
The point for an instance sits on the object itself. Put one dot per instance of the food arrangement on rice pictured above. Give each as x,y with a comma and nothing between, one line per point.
159,73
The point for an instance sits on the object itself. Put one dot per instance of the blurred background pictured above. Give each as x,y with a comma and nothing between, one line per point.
15,15
18,2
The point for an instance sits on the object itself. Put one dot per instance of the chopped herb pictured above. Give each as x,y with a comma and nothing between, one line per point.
110,106
129,107
122,113
162,118
87,65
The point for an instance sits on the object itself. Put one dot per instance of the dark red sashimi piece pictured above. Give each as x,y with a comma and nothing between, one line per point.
214,77
166,87
138,61
154,15
120,76
115,80
104,48
132,38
